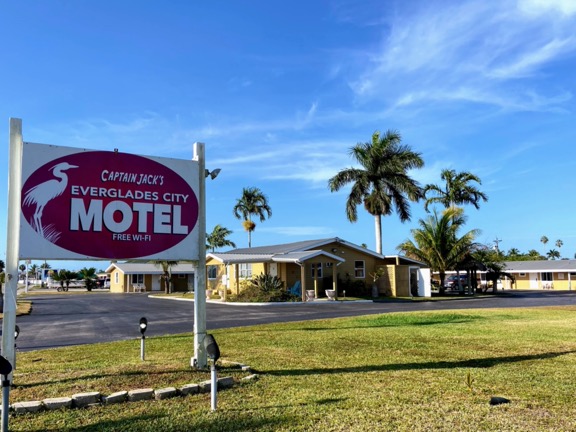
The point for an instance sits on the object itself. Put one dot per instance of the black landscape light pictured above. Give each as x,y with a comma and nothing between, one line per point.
16,333
143,327
211,347
5,369
213,353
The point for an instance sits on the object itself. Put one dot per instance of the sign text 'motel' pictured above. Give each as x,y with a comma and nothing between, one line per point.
109,205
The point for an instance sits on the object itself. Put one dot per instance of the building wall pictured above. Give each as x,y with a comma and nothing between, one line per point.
402,281
561,281
117,287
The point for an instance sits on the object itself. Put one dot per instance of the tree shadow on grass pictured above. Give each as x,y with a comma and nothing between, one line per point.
471,363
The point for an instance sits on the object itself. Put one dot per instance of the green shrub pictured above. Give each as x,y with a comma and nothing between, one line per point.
263,288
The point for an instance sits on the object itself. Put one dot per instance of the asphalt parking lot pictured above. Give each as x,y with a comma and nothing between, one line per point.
65,319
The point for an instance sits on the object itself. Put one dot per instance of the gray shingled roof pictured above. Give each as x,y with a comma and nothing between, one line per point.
297,256
282,248
540,266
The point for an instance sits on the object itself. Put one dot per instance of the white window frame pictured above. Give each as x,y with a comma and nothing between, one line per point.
212,272
316,270
117,277
137,278
361,269
546,277
245,270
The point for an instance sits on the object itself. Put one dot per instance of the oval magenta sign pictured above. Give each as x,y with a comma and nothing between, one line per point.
109,205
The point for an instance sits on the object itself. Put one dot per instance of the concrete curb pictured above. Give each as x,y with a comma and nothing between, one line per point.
279,304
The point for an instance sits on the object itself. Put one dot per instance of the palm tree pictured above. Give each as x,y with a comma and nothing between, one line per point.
382,182
535,255
252,203
544,240
552,254
513,252
437,243
88,275
33,271
166,272
218,238
457,190
559,243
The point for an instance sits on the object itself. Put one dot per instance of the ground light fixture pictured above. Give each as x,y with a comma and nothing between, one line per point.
5,369
213,353
16,333
143,326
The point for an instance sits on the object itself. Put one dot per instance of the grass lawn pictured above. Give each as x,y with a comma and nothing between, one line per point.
23,307
425,371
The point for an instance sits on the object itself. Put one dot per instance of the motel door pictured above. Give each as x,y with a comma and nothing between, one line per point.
533,280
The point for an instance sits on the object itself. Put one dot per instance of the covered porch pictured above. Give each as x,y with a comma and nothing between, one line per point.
309,274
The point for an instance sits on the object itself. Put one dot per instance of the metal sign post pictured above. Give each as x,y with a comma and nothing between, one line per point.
12,251
199,360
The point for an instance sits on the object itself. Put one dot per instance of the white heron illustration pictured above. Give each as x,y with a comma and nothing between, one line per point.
42,193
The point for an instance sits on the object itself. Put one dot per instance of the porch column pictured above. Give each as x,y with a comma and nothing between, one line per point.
237,275
303,279
225,285
334,280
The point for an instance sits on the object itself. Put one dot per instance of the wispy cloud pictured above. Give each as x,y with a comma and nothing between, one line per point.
471,51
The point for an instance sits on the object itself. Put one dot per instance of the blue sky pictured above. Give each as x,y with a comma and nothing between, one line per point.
279,92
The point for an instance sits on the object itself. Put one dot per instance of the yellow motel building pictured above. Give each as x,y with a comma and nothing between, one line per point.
143,277
541,275
317,266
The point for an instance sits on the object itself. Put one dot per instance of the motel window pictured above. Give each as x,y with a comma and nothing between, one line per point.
546,276
212,272
328,265
117,277
522,274
359,269
137,278
316,270
245,271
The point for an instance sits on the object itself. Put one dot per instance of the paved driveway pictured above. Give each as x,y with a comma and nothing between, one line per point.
74,319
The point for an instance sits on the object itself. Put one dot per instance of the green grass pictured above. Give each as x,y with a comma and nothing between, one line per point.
23,307
425,371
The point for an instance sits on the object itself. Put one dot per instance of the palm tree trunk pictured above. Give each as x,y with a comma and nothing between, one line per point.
378,229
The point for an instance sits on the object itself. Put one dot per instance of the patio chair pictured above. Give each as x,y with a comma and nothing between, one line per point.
296,289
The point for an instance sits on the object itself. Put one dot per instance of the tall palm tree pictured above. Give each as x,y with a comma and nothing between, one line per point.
544,240
456,191
438,244
553,254
252,203
218,238
382,182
